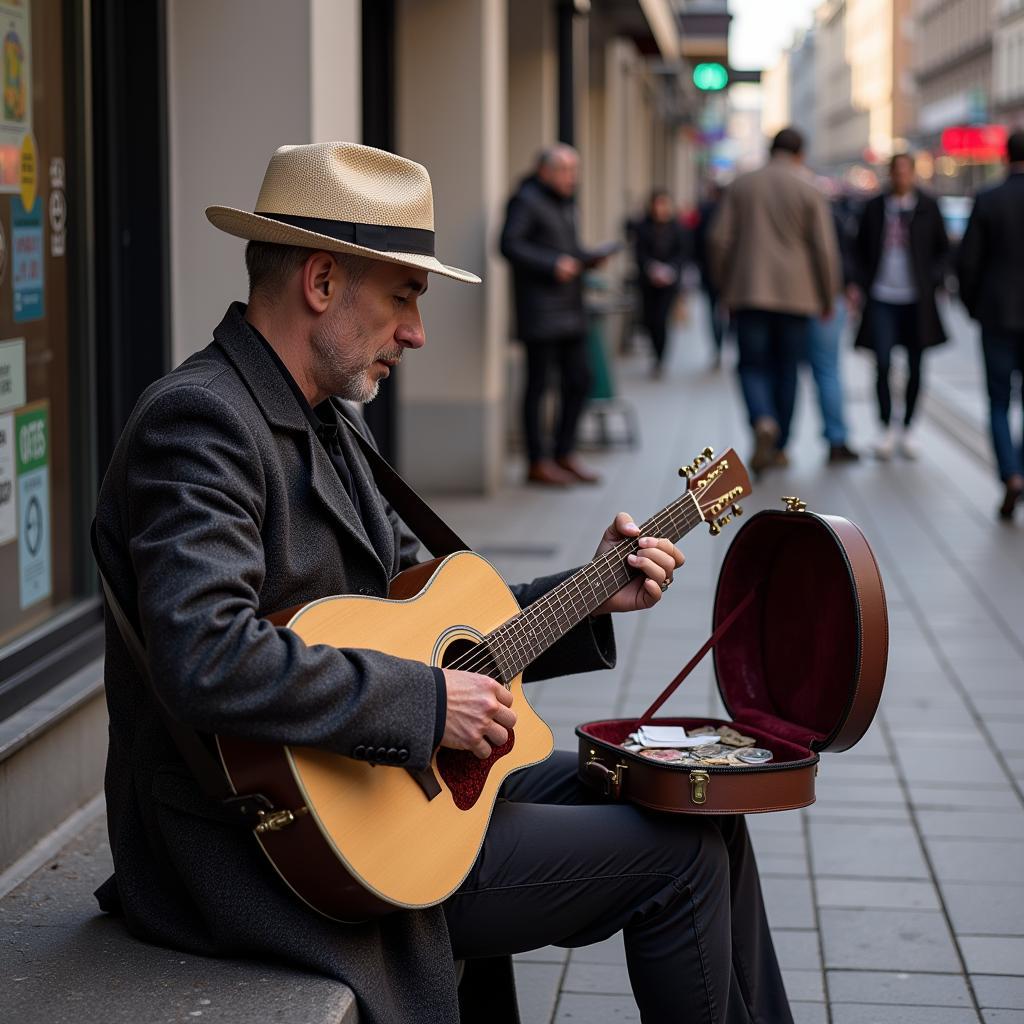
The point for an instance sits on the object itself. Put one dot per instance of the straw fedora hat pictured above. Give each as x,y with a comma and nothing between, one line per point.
343,197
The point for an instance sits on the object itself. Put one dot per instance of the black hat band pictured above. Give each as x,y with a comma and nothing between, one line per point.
382,237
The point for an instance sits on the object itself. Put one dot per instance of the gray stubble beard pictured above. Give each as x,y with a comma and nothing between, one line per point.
339,373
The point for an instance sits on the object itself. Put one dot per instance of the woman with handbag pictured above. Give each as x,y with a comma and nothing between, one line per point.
662,247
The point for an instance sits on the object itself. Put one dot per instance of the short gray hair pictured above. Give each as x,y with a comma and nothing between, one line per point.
270,266
550,155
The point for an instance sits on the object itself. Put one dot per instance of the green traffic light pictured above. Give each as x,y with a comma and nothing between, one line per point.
710,77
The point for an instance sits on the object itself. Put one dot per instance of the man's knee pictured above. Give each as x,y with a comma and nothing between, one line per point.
695,851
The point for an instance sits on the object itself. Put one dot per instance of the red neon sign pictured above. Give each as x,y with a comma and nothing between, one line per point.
986,142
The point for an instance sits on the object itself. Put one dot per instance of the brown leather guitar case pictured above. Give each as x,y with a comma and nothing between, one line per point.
800,639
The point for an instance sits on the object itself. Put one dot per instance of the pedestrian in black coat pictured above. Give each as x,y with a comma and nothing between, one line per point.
902,252
990,268
662,247
541,243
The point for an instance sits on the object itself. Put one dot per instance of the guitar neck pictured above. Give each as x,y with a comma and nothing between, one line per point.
522,639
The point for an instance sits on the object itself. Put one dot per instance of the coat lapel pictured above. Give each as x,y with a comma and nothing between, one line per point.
275,399
374,513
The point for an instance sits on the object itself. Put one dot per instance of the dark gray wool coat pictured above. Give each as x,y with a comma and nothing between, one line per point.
220,506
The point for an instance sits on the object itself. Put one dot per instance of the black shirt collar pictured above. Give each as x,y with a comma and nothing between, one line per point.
323,419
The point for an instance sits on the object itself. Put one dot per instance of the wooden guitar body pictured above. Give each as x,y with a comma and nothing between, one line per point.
355,840
360,831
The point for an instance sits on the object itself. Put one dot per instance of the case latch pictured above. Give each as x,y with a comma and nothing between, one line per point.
610,778
794,504
699,782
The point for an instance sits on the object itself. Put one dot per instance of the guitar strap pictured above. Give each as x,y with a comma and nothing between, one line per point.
437,536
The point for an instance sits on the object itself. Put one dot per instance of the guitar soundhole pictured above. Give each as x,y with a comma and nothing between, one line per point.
464,773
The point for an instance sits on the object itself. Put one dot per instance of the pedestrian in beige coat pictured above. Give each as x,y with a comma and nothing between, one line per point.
775,259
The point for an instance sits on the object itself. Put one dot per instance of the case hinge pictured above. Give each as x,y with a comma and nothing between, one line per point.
699,782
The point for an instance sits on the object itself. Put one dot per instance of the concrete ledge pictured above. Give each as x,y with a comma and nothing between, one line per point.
65,963
52,754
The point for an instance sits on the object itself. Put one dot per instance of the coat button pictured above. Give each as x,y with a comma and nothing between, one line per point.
382,754
403,756
392,755
359,752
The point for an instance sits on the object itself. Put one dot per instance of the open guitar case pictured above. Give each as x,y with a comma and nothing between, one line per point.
800,640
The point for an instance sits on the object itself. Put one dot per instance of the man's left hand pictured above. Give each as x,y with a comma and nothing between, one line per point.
656,561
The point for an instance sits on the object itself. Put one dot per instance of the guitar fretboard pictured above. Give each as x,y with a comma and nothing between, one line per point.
526,636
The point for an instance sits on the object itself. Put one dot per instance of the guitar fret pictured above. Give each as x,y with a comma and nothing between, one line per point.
522,639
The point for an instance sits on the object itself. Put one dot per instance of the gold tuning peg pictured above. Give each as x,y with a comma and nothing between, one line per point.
737,510
705,456
794,504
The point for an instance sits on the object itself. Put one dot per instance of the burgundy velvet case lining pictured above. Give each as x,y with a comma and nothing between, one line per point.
788,665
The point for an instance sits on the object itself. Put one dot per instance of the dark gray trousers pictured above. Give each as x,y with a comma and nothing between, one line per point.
561,867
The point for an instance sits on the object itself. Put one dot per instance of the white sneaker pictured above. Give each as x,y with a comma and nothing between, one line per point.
886,444
908,444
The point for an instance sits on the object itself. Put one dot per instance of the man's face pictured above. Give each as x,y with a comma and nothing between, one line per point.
561,173
367,328
902,176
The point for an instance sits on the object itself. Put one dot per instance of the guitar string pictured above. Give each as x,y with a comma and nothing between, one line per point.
543,620
542,615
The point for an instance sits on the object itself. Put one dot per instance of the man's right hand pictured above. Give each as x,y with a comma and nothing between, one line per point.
479,713
567,268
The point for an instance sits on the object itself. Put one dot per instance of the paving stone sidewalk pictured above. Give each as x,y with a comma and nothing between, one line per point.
899,896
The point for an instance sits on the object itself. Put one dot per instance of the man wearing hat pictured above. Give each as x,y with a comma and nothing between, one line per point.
238,489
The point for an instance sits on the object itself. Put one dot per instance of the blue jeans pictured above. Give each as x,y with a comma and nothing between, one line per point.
771,346
1004,356
822,355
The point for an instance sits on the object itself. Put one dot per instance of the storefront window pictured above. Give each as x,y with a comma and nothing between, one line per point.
42,412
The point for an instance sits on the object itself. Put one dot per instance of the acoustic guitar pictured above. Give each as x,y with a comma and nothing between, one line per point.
356,840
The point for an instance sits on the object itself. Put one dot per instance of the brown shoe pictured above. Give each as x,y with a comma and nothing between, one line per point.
766,433
1014,489
580,473
842,453
546,472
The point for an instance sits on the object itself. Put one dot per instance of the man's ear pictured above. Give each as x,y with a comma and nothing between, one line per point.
318,284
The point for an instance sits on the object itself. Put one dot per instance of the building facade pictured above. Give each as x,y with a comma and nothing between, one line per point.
803,91
1008,62
953,61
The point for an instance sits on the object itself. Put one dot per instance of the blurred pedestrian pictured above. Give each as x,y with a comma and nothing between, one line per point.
902,251
774,256
823,341
662,246
718,315
990,267
540,242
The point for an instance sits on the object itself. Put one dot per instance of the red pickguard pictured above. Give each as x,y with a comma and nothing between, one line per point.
465,774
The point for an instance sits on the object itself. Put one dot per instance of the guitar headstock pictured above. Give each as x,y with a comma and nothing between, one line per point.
717,485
